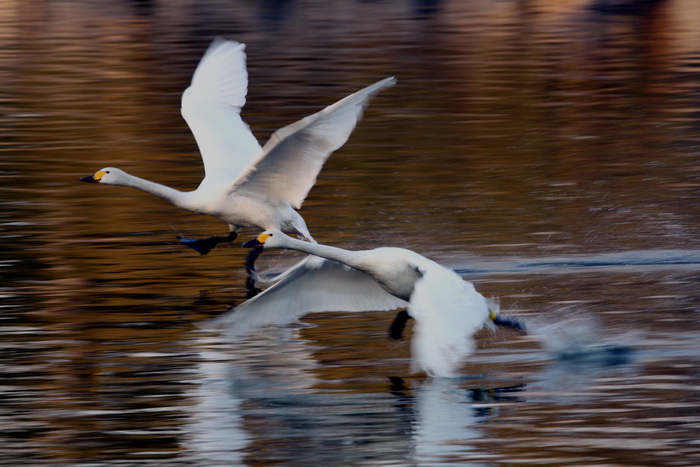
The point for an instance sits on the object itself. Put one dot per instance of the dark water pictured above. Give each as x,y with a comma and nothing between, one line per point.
547,150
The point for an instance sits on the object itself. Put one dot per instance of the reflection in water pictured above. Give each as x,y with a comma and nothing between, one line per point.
256,394
443,417
215,431
548,150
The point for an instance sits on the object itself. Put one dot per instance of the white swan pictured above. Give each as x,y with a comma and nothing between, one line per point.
447,309
247,185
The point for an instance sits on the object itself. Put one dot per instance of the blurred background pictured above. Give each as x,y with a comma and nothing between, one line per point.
547,150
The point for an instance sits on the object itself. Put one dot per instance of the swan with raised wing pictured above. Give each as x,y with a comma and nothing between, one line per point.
246,185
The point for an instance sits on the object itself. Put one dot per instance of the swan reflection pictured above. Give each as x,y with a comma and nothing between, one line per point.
268,393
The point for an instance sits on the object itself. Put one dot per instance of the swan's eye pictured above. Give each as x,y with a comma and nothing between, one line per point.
272,235
107,171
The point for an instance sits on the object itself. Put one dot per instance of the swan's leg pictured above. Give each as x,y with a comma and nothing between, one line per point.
250,269
251,290
398,325
299,227
205,245
250,260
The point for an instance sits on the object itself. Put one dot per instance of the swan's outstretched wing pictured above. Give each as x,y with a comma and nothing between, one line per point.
212,106
294,155
312,285
448,311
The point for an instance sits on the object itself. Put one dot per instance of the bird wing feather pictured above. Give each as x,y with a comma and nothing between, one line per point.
312,285
294,155
212,107
448,311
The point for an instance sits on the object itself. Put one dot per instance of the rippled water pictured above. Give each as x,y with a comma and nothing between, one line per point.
546,150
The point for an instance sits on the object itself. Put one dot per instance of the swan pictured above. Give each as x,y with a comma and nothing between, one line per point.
246,185
447,309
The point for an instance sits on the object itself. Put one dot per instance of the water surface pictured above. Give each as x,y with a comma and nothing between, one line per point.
548,151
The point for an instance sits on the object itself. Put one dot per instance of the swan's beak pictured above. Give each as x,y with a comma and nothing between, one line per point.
258,242
95,178
89,179
254,243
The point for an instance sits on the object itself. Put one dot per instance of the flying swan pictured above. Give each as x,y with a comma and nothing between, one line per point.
447,310
246,185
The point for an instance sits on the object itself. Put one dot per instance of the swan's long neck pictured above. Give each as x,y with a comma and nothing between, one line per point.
178,198
351,258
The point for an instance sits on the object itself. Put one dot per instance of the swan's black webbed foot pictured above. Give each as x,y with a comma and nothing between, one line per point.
205,245
509,324
201,245
398,325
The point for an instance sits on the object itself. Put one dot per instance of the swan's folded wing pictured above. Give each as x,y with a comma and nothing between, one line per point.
312,285
212,106
294,155
448,311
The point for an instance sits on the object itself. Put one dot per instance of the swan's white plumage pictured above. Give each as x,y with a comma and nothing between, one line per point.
293,156
247,185
211,106
447,309
312,285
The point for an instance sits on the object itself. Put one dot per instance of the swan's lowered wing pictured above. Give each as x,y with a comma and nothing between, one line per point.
212,106
294,155
312,285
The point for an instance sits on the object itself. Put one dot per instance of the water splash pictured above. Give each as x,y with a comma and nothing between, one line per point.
579,337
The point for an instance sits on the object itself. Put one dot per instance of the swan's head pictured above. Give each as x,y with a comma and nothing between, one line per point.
108,176
268,239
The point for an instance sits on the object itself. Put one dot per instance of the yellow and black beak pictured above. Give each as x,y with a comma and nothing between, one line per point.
93,178
258,242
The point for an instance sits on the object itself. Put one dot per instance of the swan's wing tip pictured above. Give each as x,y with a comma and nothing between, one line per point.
383,83
294,155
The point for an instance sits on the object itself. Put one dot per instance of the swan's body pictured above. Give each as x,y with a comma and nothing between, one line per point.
246,185
447,309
